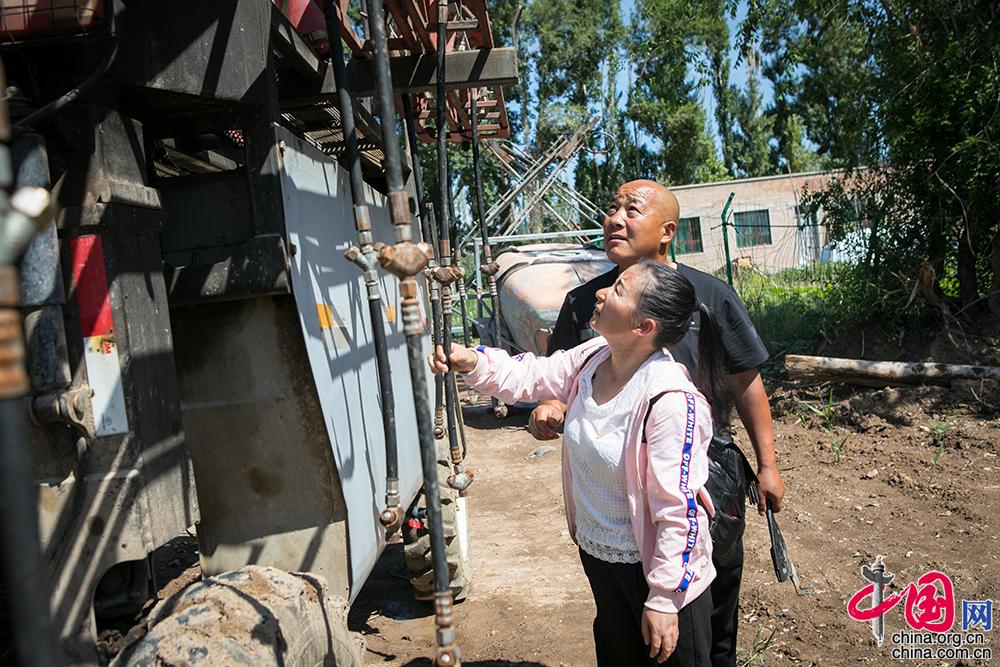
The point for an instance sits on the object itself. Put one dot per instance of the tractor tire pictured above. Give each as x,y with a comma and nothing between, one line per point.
417,541
252,616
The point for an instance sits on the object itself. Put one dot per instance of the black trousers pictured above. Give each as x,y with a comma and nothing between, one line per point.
725,606
620,592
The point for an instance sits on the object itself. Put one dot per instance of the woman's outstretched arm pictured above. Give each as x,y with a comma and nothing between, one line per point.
524,377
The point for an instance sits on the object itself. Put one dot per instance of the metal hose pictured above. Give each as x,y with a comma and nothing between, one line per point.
406,260
26,589
364,256
75,93
459,479
488,267
428,229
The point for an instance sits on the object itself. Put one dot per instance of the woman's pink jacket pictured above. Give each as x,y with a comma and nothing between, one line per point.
665,471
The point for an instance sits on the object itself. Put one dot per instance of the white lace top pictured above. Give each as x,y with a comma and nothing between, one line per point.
595,440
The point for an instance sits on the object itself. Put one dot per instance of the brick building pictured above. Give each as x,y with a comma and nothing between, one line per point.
767,228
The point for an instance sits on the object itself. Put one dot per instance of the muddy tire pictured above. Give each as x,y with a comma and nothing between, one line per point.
417,542
253,616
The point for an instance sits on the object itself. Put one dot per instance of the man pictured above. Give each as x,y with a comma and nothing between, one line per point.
640,222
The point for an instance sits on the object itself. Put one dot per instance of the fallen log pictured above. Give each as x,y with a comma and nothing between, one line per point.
883,373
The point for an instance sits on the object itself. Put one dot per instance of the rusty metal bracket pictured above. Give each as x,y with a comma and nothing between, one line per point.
72,408
404,259
13,376
446,275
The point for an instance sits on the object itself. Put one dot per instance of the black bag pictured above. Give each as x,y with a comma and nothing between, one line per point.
730,481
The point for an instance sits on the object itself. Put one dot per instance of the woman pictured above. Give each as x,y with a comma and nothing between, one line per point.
635,460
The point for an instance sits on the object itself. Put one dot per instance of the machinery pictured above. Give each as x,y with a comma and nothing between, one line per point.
526,315
222,304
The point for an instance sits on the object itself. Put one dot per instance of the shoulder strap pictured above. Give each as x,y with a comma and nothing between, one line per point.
591,356
649,410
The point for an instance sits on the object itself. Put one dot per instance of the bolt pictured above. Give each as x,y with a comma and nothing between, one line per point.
446,657
391,517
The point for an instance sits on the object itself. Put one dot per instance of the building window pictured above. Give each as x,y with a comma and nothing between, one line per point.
752,228
688,238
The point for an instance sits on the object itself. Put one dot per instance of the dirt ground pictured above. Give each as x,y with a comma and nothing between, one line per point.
907,473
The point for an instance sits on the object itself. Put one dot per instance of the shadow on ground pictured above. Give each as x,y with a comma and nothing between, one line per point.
482,417
387,593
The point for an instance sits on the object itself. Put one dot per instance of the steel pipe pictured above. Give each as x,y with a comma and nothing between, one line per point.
447,653
480,206
428,229
446,276
26,590
364,257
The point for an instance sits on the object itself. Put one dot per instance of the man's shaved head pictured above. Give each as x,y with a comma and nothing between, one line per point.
640,223
660,197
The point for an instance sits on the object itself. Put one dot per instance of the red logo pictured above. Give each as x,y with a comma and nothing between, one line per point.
929,601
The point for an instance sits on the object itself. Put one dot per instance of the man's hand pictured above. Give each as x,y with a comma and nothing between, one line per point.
546,420
769,488
463,360
659,631
755,413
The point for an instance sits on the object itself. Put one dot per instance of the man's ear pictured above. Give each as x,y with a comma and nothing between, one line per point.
669,230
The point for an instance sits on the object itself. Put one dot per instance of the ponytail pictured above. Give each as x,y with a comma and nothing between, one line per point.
712,378
668,298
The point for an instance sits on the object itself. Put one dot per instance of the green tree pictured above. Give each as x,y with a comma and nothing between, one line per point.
668,37
599,172
938,86
817,56
932,106
569,41
751,152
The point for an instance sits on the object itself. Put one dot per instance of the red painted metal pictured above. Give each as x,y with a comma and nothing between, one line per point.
413,30
90,285
309,19
30,19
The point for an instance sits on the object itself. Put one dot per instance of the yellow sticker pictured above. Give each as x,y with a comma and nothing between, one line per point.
325,313
330,321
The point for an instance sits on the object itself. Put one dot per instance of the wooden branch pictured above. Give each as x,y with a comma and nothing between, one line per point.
883,373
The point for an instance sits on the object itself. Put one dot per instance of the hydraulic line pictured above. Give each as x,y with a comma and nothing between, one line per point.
26,590
73,94
428,229
364,256
463,307
405,260
462,297
489,267
446,275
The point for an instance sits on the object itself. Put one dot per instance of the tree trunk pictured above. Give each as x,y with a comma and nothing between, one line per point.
968,288
882,373
994,297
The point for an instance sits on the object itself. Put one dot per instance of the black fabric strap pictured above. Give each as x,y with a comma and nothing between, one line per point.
649,410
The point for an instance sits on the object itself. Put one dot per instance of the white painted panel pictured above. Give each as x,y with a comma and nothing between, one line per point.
104,374
335,322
